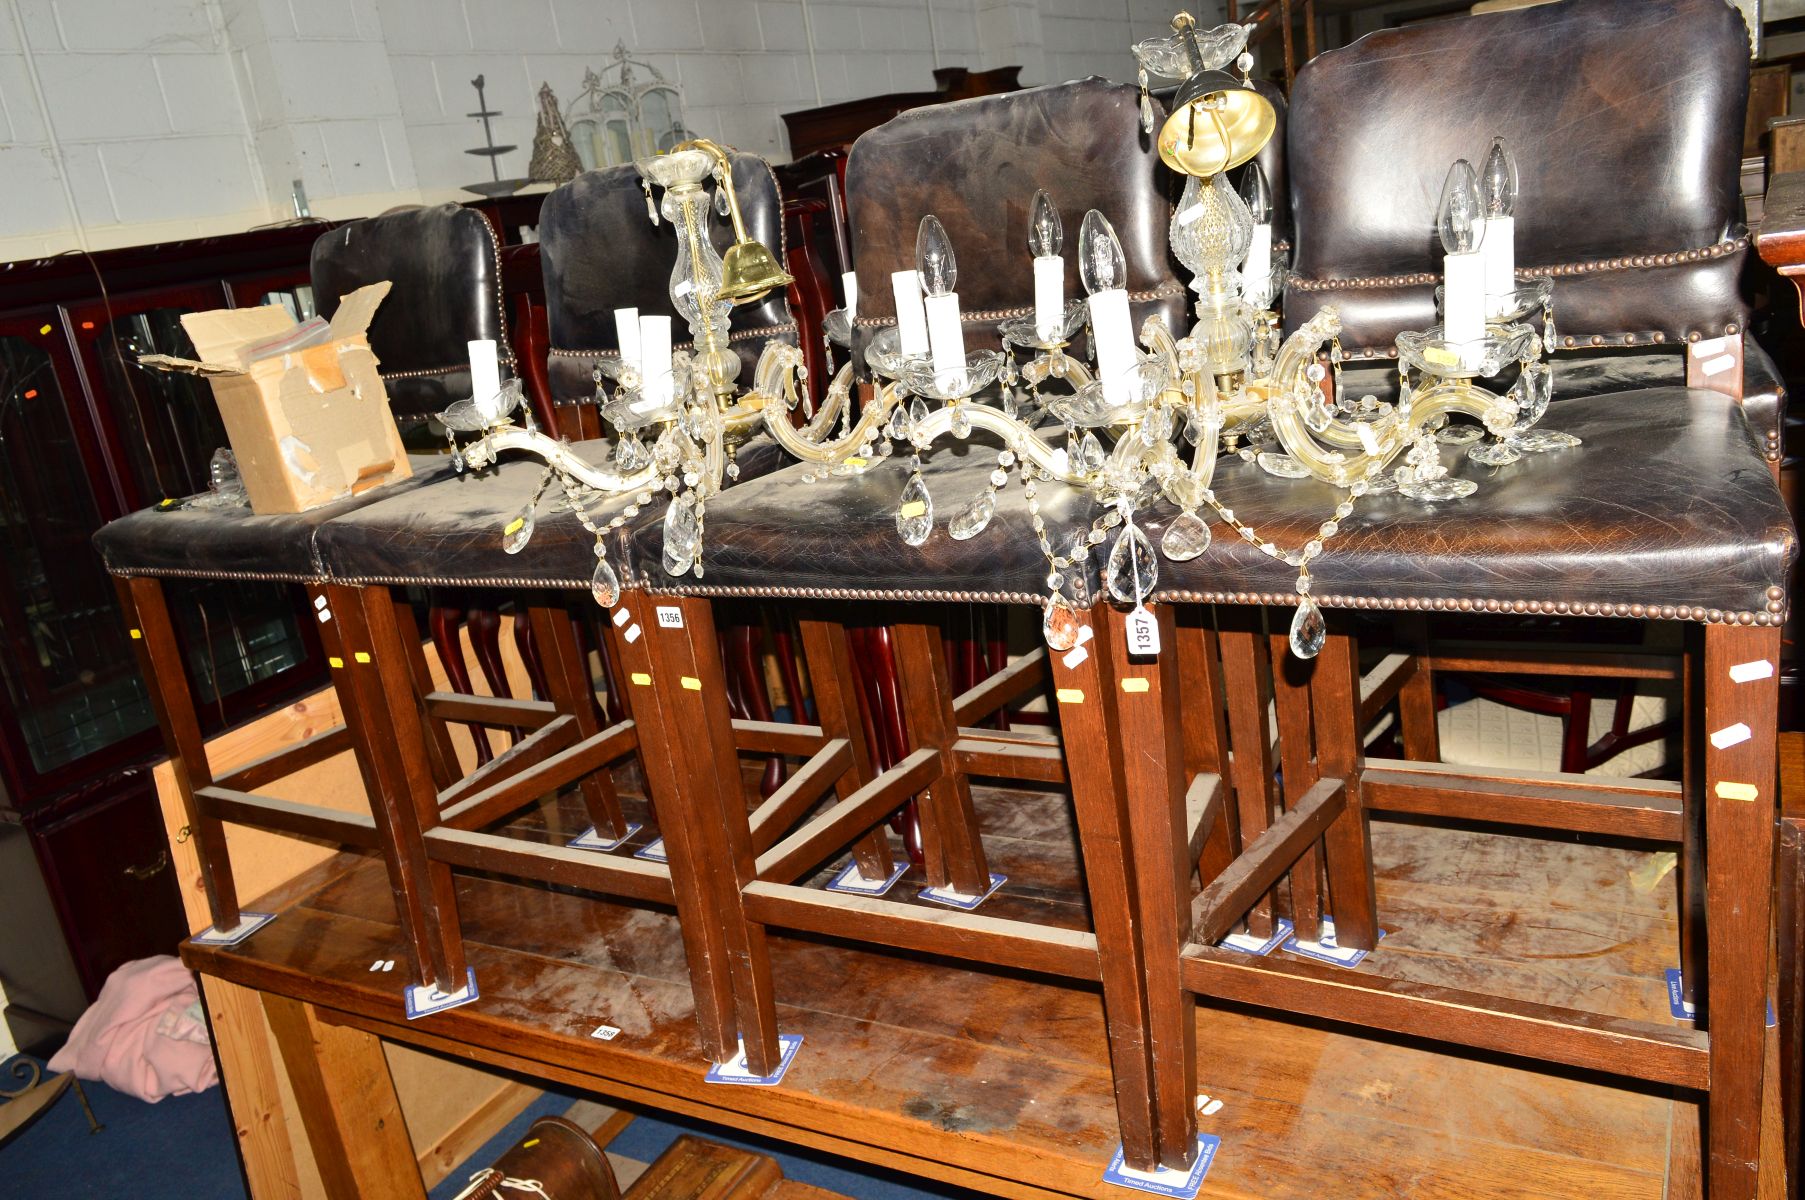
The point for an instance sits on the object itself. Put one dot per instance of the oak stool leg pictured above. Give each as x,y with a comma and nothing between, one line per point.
1741,780
160,661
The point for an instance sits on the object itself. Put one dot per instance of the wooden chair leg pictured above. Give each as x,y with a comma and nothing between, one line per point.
692,692
837,712
1297,753
446,770
1145,694
347,1103
485,637
528,650
404,802
1335,699
785,647
572,691
1205,728
1689,874
445,620
1741,781
743,644
693,856
146,613
1418,730
1248,692
951,846
1789,921
1089,729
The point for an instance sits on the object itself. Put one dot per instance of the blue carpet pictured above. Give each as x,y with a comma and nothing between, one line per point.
182,1149
179,1149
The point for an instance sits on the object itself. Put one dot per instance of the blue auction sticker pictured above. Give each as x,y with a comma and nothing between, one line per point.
1165,1182
735,1070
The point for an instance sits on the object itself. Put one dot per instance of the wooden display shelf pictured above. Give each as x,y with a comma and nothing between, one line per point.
999,1081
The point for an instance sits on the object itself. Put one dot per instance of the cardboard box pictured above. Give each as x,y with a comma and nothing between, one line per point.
308,425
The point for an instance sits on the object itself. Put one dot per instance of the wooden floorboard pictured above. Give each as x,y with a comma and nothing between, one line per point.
997,1073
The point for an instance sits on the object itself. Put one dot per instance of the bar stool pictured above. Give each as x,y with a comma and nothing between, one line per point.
446,271
584,288
452,534
1668,512
831,544
143,549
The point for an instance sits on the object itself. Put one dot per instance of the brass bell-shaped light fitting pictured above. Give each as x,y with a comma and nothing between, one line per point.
1216,122
748,270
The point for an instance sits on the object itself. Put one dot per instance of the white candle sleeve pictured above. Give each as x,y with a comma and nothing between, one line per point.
946,335
1256,270
849,287
1500,251
626,332
1049,295
655,359
485,375
1463,297
1112,331
911,319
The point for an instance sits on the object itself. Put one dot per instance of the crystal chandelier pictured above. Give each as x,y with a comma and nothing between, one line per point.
1150,415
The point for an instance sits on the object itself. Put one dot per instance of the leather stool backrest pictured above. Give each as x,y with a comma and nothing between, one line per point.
1625,117
599,252
446,273
976,165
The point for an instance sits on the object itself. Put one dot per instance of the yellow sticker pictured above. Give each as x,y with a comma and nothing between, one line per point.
361,657
137,635
691,683
1134,685
45,329
1441,356
1738,791
913,508
641,679
856,462
515,526
1070,695
335,662
529,1144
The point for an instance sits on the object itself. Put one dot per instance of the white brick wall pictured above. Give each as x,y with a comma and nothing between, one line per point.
172,118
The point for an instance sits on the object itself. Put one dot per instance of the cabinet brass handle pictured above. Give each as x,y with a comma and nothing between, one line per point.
143,873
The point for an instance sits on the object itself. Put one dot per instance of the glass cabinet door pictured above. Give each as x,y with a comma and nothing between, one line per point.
70,677
162,430
167,423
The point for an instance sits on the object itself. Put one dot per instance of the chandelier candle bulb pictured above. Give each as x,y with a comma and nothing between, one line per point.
849,287
1104,272
911,318
626,332
485,377
657,385
1498,196
938,269
1046,238
1462,229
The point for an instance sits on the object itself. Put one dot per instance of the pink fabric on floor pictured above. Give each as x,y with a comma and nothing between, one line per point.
145,1036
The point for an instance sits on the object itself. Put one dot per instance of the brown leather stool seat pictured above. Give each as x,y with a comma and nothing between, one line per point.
836,537
1668,509
450,532
236,543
